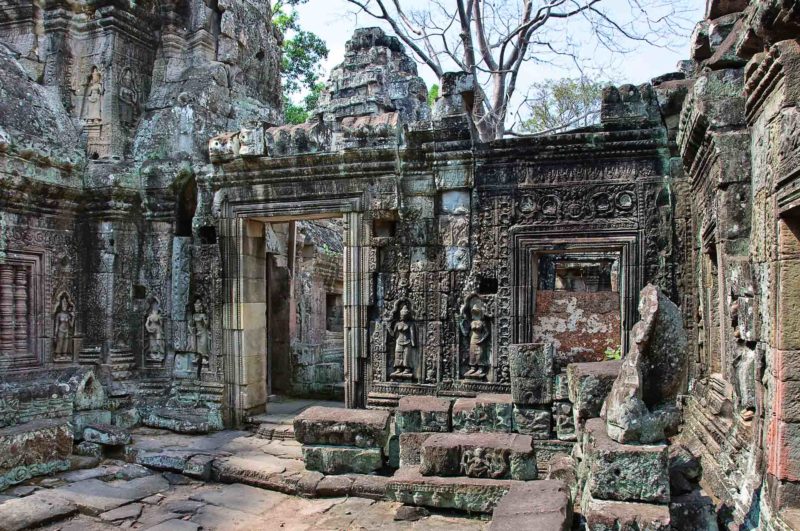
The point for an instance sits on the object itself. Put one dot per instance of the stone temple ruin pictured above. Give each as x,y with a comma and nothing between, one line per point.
171,257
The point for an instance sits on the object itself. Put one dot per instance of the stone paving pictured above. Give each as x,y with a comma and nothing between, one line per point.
116,494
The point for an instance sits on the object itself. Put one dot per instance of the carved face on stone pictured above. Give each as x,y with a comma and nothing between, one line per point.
405,312
476,312
198,306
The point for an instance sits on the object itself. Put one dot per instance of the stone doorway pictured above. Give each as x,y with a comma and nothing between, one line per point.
305,308
246,228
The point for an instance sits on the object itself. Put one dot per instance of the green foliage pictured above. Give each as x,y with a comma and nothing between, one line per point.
303,51
433,93
613,353
298,114
559,104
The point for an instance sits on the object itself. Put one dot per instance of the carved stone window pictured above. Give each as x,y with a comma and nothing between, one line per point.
20,310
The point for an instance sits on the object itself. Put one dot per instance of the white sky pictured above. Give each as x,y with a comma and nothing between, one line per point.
334,21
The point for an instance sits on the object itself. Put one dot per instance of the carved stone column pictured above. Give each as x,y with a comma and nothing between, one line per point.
6,309
21,309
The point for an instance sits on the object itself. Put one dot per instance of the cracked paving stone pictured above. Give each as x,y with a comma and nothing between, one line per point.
130,511
39,508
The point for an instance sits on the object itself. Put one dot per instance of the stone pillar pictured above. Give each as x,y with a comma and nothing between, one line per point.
6,309
357,297
20,309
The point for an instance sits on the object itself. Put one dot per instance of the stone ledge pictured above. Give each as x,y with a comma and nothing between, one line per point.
604,515
423,414
339,426
465,494
541,505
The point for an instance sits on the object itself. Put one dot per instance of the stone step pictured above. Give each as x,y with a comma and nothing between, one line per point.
320,425
479,455
541,505
472,495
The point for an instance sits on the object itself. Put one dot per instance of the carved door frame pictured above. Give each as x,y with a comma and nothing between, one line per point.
357,285
527,243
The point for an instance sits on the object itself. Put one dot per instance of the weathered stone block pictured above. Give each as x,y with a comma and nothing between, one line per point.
423,414
693,512
531,367
411,446
89,449
462,493
479,455
339,426
342,459
485,412
533,422
604,515
540,505
33,449
106,435
589,384
82,419
624,472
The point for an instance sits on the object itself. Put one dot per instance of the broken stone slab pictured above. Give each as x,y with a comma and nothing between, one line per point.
485,412
369,486
603,515
126,512
410,513
342,459
340,426
423,414
479,455
624,472
534,422
32,511
93,496
334,486
531,366
472,495
268,474
541,505
106,435
410,447
641,404
589,385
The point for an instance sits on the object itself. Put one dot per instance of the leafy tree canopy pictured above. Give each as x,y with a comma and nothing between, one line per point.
556,105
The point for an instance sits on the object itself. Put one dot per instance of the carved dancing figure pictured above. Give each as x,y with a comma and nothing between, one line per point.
199,335
93,103
63,327
154,326
477,329
128,99
405,333
474,463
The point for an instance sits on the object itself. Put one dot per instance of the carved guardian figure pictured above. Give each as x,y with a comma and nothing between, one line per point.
63,328
404,332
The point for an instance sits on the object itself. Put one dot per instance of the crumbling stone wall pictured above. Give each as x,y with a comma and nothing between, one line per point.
735,137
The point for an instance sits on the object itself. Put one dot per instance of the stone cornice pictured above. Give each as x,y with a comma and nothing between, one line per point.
767,73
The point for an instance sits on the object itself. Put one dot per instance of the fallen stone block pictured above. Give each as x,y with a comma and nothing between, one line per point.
693,512
39,508
410,513
106,435
89,449
486,412
410,447
423,414
534,422
602,515
339,426
126,512
541,505
186,420
342,459
624,472
479,455
472,495
199,466
82,419
36,448
589,385
173,460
